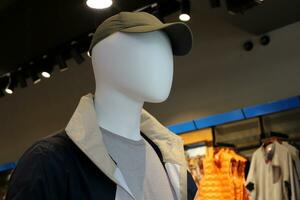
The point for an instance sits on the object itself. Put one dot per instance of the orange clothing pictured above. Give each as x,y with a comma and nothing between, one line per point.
216,183
238,164
223,177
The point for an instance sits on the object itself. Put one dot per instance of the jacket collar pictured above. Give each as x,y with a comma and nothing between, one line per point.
83,130
274,153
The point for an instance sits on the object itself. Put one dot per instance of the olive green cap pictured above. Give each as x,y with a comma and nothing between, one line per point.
179,33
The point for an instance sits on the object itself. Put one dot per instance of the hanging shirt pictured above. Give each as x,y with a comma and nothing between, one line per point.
295,157
296,167
141,167
270,173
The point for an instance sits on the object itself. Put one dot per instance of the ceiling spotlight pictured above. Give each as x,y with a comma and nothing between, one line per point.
35,78
9,88
88,54
33,73
21,77
8,91
61,63
99,4
184,17
3,84
46,74
185,10
47,66
46,71
76,54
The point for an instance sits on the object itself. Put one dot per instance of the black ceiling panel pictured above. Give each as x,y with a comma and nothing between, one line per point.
271,15
29,28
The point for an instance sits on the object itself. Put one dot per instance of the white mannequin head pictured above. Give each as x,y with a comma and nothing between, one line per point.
139,65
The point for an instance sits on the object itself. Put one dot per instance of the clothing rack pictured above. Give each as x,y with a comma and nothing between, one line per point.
279,135
255,146
222,144
198,144
263,135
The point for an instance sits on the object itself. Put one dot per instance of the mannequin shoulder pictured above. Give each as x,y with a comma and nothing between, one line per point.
55,167
51,150
43,166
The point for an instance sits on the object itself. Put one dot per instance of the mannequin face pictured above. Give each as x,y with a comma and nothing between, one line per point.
140,65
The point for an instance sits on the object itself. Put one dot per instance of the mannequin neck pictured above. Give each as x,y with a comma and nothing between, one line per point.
117,112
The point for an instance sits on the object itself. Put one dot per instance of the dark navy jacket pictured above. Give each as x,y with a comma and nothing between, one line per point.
54,168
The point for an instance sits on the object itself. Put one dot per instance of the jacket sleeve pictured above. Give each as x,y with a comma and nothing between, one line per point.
35,177
251,183
191,187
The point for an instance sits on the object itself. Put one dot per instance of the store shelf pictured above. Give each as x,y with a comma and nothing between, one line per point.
236,115
182,127
272,107
7,166
219,119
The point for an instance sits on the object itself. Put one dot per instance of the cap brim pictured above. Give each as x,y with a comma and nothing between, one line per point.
179,33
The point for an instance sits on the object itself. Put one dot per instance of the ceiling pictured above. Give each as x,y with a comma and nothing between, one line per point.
272,14
30,28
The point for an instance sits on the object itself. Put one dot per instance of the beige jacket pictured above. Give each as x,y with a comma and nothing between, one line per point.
85,133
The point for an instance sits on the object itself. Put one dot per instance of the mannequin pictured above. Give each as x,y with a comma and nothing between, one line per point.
101,153
124,83
142,71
